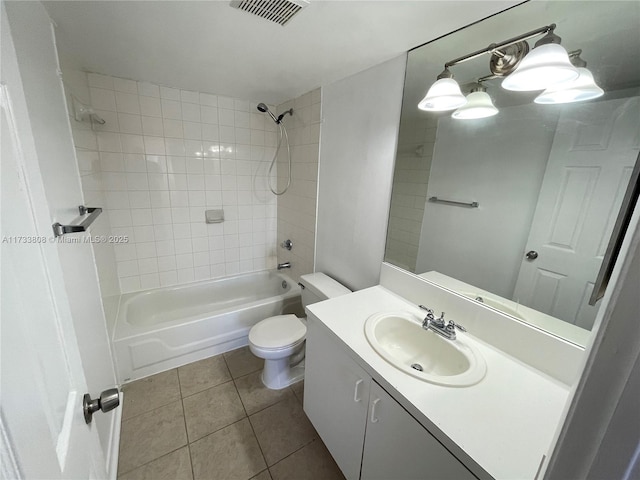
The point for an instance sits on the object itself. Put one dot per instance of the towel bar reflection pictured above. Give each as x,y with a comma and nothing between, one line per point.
452,202
93,212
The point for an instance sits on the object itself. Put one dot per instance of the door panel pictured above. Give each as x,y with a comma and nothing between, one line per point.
42,378
590,163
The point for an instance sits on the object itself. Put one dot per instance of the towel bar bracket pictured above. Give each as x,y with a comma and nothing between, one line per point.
91,214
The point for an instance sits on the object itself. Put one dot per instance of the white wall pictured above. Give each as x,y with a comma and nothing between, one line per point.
360,116
297,206
498,162
34,43
600,435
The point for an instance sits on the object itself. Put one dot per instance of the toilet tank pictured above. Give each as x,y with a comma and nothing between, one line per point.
318,287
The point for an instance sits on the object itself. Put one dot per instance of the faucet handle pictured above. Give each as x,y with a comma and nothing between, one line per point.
428,310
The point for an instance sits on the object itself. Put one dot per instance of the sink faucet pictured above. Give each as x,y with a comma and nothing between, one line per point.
426,323
284,265
439,326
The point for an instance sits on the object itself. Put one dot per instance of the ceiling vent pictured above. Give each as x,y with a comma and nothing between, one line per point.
278,11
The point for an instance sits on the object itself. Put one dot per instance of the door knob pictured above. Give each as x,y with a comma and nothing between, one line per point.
531,255
109,399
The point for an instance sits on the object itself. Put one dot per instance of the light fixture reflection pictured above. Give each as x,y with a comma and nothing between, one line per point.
443,95
479,105
547,64
582,88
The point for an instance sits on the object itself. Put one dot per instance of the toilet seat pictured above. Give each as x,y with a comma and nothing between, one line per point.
279,332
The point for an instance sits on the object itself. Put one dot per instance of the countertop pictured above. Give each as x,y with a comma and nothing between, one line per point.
501,426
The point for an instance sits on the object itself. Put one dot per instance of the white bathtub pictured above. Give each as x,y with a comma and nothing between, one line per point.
160,329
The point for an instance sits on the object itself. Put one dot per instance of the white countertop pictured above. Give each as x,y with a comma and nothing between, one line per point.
504,424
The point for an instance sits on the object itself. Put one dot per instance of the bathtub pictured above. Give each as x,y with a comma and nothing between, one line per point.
164,328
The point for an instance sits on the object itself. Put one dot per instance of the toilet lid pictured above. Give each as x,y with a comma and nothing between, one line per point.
277,332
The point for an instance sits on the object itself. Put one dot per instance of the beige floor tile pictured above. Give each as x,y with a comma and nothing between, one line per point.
242,362
198,376
149,393
263,476
312,462
298,390
255,396
208,411
174,466
282,429
230,453
151,435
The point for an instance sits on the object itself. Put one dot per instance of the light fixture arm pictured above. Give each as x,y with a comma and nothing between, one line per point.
496,48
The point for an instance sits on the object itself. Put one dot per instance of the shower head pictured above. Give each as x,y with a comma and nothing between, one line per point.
264,109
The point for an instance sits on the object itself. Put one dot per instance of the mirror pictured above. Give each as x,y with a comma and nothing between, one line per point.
536,189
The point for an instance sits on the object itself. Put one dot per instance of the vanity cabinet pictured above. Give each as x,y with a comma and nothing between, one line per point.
368,433
336,398
397,446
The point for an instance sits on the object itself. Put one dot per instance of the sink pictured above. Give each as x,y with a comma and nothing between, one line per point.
399,338
493,303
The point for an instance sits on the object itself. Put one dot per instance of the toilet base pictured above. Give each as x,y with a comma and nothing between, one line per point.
278,374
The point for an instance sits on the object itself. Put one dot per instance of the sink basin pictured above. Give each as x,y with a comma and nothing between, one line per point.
400,339
490,302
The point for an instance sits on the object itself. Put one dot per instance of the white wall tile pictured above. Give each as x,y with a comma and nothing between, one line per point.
171,109
208,99
127,103
152,126
148,89
102,99
165,156
132,143
170,93
124,85
100,81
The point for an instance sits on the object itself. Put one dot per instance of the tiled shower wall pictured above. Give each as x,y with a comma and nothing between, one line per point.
416,140
297,207
164,156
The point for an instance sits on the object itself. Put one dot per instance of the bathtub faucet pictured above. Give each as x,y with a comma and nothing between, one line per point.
284,265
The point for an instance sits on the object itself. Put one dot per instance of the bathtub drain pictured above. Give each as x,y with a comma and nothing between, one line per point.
284,284
417,366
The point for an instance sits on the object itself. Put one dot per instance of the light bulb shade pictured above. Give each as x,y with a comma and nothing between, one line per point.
544,66
479,105
581,89
443,95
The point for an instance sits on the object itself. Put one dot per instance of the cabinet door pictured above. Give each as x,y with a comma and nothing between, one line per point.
336,395
398,447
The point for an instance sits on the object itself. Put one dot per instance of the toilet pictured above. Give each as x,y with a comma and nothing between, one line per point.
280,339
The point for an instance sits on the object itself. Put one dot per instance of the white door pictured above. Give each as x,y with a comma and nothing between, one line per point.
591,160
42,429
397,447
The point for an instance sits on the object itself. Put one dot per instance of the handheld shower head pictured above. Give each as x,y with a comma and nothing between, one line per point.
264,109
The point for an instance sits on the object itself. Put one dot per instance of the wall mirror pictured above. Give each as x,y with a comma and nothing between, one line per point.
516,210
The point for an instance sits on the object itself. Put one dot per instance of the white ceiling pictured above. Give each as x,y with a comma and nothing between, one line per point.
209,46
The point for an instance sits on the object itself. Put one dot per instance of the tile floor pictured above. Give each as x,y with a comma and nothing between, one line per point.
213,419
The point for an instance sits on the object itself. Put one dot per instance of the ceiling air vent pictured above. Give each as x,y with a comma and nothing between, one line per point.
278,11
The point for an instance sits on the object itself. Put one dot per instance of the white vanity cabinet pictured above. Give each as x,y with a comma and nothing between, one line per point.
336,398
368,433
396,446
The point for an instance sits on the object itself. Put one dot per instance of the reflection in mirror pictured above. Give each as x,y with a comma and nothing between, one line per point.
515,210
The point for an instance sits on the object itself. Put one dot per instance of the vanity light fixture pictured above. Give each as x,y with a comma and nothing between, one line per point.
444,94
582,88
546,65
479,105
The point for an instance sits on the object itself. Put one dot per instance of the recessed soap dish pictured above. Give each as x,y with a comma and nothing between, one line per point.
214,216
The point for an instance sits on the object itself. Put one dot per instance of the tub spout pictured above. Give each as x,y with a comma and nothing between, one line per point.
284,265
